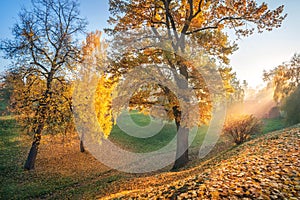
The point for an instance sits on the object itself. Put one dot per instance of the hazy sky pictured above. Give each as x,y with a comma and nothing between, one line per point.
257,52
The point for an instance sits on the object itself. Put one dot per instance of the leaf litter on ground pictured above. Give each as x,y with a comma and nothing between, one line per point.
264,168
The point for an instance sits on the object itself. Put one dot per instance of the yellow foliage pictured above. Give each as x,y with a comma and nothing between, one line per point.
102,103
28,99
92,98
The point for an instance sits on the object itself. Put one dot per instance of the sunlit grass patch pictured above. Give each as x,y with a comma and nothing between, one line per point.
149,144
273,124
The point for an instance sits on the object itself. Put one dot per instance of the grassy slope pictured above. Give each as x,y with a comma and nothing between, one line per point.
149,144
63,172
273,124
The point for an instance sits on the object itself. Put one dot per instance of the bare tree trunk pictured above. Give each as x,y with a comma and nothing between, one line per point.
81,146
31,158
30,162
182,151
82,149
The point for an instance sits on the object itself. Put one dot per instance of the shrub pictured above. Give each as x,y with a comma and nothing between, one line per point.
291,107
242,127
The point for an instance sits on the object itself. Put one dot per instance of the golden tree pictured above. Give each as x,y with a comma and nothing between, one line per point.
186,27
285,78
45,53
92,97
26,94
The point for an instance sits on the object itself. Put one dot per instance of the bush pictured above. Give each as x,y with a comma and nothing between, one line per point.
242,127
291,107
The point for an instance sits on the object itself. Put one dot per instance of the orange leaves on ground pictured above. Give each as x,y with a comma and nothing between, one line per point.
265,168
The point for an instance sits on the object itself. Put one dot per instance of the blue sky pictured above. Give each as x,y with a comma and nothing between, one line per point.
269,49
256,53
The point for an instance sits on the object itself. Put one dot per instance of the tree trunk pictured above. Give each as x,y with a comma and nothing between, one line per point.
82,149
182,151
81,146
30,162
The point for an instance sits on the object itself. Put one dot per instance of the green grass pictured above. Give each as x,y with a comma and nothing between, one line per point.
10,151
141,144
149,144
168,132
273,124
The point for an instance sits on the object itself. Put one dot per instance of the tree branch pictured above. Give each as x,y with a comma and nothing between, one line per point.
216,25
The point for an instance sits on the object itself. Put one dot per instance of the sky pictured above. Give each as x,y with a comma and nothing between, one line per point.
256,52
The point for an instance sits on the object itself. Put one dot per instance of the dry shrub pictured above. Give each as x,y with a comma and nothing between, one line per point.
242,127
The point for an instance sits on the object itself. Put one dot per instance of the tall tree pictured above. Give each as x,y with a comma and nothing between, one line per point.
285,78
93,89
44,51
180,23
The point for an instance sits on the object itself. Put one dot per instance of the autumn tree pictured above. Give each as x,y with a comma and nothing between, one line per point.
238,94
44,52
177,25
285,78
93,90
25,92
291,107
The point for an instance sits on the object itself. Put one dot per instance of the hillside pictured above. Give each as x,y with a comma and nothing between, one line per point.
265,168
268,163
